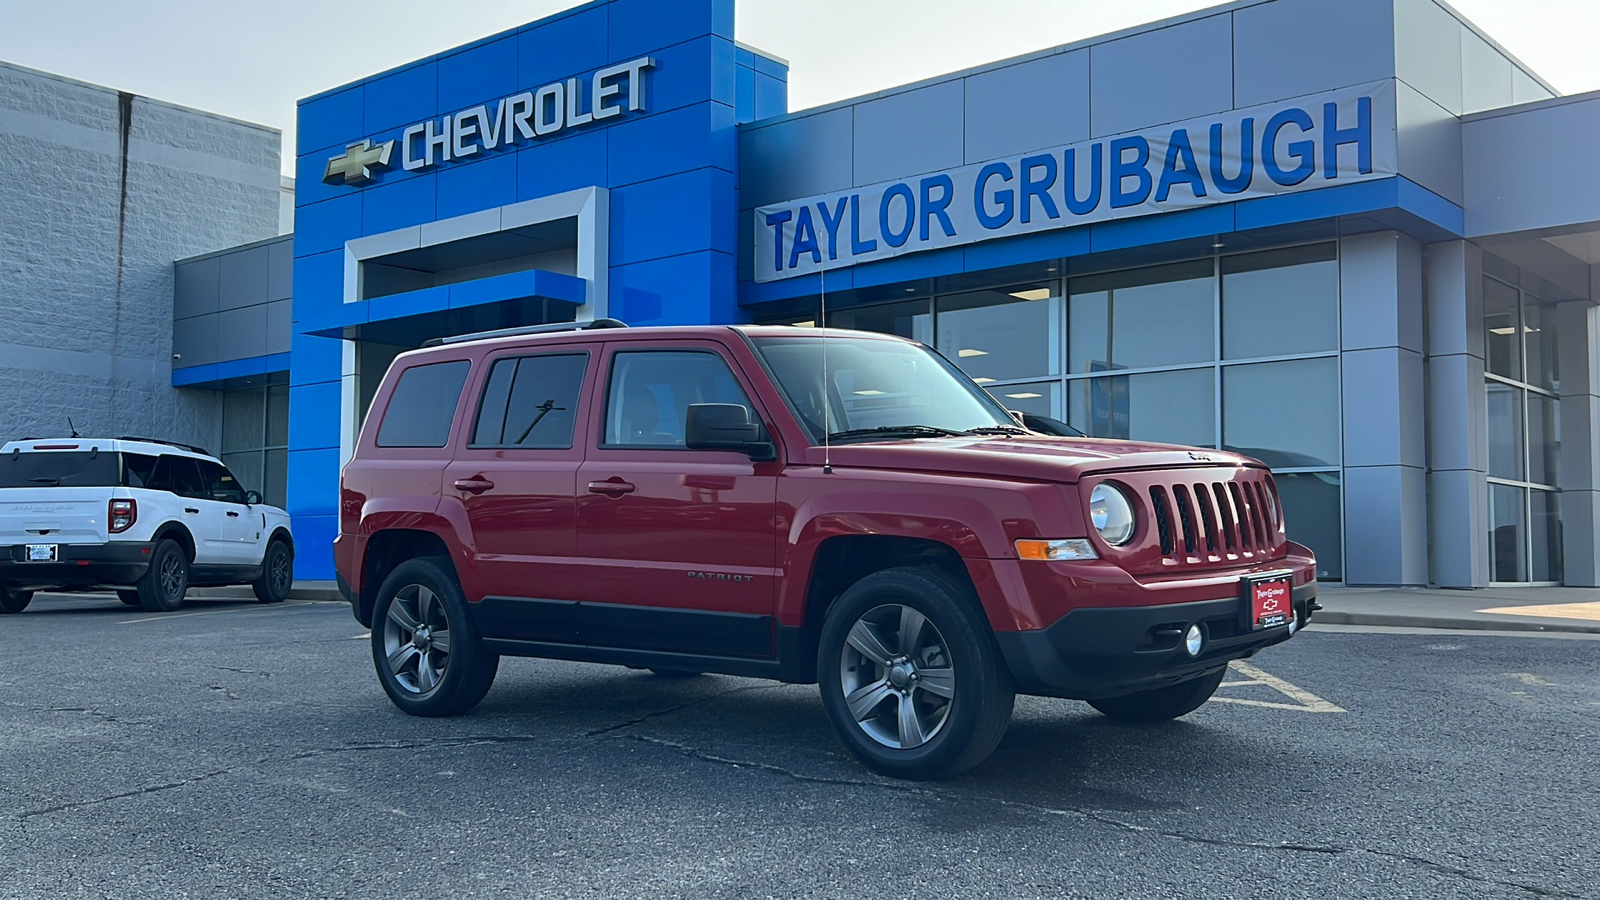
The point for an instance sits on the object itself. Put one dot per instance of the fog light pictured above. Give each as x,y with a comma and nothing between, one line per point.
1193,640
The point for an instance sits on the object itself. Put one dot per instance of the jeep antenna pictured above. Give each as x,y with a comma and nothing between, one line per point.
72,428
827,429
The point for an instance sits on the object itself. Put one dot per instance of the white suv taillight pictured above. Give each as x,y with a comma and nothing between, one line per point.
121,515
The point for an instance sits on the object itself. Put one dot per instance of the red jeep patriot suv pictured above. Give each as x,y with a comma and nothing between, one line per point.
812,506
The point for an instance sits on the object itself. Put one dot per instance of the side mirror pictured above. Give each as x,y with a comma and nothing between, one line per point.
725,426
252,498
1015,414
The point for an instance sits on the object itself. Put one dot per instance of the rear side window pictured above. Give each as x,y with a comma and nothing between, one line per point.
140,471
181,476
531,402
423,405
60,468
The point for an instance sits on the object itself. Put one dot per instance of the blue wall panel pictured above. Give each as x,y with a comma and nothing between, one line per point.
671,216
318,282
645,26
392,205
313,544
482,74
488,183
682,290
319,467
401,98
700,70
320,430
563,47
326,121
565,165
672,142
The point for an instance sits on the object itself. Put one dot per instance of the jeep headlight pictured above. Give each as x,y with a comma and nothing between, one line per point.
1111,514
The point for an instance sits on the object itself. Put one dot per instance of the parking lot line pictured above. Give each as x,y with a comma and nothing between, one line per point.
1307,701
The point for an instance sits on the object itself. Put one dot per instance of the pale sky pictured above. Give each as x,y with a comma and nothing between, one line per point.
253,60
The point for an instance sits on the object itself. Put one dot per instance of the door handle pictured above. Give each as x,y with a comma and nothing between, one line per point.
232,514
616,487
191,510
474,485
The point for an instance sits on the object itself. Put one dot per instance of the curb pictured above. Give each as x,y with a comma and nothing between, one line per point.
1327,616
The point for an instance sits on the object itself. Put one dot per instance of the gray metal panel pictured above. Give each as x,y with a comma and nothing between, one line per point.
194,341
1455,298
1524,89
195,291
1456,413
1383,400
1003,106
1533,168
242,333
1386,539
1161,76
1485,75
1296,47
910,133
1580,538
1427,43
1460,524
1429,139
797,158
1380,291
280,325
244,278
280,270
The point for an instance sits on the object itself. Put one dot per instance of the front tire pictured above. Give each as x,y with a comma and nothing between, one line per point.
277,574
13,600
1162,704
425,646
166,581
911,678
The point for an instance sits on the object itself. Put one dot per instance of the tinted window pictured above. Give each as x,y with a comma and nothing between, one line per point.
423,405
651,394
139,470
531,401
220,483
56,468
180,475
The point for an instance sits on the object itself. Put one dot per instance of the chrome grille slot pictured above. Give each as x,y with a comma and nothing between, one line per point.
1214,517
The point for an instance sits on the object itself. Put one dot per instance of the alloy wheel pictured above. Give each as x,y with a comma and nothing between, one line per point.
897,676
416,639
172,576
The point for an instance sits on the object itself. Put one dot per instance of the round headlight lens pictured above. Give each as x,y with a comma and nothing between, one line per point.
1111,514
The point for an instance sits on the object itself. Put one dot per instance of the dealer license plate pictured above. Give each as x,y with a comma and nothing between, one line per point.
1271,599
42,552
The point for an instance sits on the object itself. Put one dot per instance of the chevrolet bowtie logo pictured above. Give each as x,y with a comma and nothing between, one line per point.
355,165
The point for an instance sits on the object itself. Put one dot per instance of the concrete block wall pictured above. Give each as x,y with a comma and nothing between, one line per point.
100,192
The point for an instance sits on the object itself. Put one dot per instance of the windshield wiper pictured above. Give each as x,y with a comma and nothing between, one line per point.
56,482
886,430
997,429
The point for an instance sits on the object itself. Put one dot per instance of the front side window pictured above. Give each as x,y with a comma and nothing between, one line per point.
651,393
531,402
423,405
876,384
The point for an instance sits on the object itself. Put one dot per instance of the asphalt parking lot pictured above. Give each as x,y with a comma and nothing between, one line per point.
237,750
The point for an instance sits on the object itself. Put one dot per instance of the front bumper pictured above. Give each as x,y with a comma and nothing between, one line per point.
1106,652
113,564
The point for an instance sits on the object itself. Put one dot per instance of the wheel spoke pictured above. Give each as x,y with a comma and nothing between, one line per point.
939,681
863,701
911,734
426,676
424,604
402,655
911,623
863,639
440,641
400,616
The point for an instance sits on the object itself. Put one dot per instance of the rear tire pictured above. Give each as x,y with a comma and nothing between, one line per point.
277,574
131,598
1162,704
166,581
13,600
425,645
911,678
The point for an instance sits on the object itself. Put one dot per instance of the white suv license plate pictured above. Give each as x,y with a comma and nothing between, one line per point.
42,553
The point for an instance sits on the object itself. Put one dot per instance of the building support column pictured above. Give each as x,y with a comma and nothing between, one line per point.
1578,350
1385,475
1458,468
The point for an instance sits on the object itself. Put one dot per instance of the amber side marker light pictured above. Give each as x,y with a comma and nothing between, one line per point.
1069,549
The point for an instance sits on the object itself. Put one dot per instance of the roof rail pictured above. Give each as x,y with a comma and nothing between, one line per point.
553,328
189,447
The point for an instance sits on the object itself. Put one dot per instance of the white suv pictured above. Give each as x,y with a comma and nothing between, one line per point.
147,518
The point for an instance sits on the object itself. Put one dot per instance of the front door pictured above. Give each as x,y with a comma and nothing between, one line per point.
678,547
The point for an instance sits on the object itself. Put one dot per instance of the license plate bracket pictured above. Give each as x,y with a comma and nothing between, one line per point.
1268,599
41,553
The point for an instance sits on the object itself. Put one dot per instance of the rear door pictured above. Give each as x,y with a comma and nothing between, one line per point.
199,513
514,473
678,547
56,496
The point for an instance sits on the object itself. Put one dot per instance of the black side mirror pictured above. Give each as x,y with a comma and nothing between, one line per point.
725,426
252,498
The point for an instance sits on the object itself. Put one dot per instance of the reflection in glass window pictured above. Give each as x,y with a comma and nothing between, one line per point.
1037,399
1159,316
1504,429
1311,510
1546,512
1502,345
651,393
1544,439
531,402
1506,540
1539,343
1280,302
1002,335
1285,414
1167,407
910,319
423,405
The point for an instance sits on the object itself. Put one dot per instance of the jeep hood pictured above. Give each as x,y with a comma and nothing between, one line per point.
1024,457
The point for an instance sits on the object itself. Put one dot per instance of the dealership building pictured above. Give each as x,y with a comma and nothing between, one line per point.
1358,244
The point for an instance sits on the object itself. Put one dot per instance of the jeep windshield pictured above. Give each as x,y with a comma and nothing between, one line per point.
879,390
58,468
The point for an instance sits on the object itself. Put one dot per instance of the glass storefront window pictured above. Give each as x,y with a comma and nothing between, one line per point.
1039,398
910,319
255,440
1170,407
1504,430
1539,343
278,416
1002,335
1280,302
1285,414
1544,439
1546,535
1507,542
1313,512
1144,318
1502,344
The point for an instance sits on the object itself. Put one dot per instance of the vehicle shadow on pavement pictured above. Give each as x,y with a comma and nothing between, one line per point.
95,604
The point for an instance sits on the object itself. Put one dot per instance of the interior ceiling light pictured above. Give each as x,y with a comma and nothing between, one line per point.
1026,395
1035,294
984,380
1512,329
870,393
811,324
968,354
